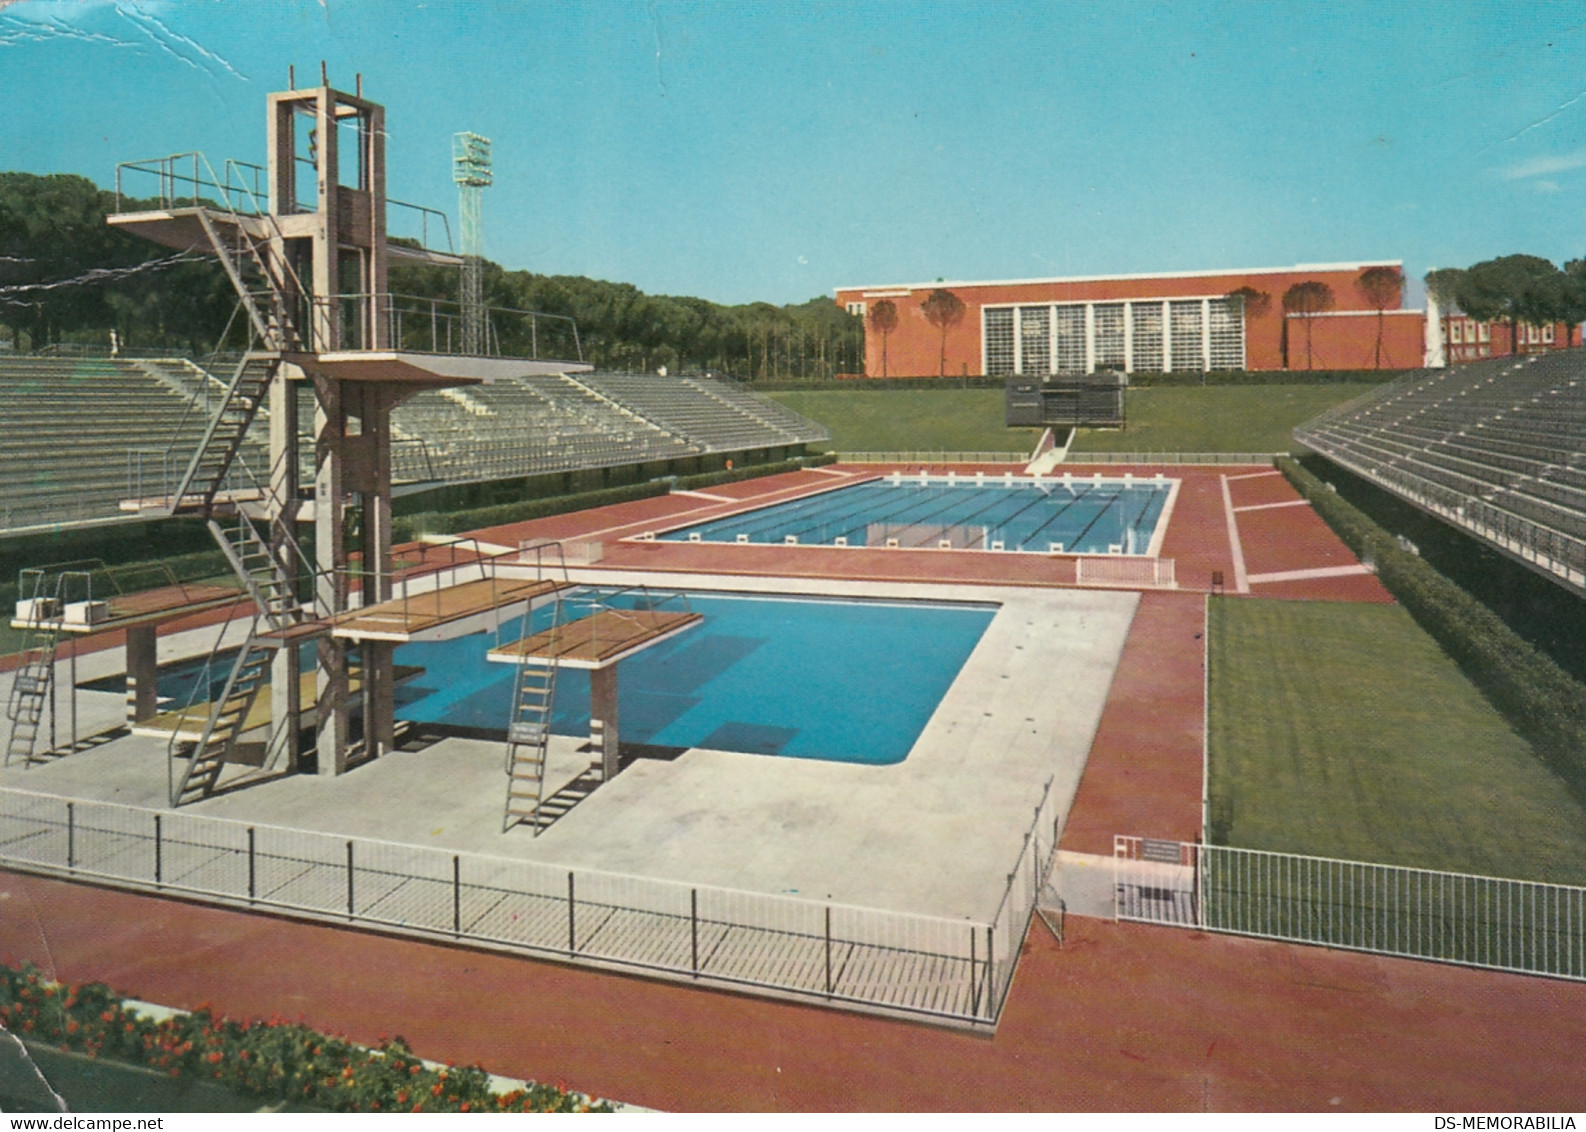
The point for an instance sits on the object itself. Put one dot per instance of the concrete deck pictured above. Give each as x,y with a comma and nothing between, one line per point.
935,834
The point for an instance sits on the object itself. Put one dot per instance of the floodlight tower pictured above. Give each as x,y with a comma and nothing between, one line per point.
471,171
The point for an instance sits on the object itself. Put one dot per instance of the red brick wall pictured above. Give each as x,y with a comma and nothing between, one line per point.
1348,340
913,348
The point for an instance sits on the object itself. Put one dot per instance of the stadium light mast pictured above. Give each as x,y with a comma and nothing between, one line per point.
471,171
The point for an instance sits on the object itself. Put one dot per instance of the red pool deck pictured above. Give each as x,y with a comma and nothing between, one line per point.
1119,1017
1143,775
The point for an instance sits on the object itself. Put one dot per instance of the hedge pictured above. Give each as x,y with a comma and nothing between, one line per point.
274,1060
753,471
1541,701
409,527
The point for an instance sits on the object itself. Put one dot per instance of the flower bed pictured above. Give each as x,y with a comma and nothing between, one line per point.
275,1060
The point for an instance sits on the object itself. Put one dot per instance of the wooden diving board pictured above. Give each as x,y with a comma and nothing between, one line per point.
188,723
149,607
403,619
600,640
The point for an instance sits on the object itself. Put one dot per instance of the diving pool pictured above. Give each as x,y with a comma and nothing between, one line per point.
1073,515
843,680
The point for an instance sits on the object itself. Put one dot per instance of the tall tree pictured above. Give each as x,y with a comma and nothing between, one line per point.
943,310
1512,289
1308,299
1573,294
1383,286
1252,304
883,320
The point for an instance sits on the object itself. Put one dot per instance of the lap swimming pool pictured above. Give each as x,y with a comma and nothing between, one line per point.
1072,515
843,680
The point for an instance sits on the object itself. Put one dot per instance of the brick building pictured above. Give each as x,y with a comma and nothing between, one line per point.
1175,322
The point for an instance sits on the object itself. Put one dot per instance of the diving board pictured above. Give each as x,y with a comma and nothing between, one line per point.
599,640
441,612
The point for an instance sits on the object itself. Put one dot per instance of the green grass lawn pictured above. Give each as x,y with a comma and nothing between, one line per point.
1217,418
907,420
1342,730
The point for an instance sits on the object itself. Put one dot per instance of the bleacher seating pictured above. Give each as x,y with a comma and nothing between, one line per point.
1496,447
714,415
69,427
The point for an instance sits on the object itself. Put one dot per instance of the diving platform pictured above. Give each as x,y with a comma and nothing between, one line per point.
147,609
184,229
600,640
444,612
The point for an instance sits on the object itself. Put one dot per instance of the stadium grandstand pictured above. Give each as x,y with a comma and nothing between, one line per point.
84,434
1497,448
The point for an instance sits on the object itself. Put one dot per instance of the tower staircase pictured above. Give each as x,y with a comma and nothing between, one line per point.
272,578
34,678
533,698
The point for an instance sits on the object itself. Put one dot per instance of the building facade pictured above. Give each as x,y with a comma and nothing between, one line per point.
1167,323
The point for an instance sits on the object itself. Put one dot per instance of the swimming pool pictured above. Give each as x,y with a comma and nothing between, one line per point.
1073,515
841,680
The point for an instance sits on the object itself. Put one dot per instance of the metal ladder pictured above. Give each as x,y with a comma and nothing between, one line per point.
228,716
31,686
272,588
533,698
216,453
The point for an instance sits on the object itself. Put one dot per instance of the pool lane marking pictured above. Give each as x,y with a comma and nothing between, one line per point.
642,525
1269,506
1241,578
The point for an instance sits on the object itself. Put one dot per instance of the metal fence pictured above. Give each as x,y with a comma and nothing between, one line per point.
1547,547
1026,880
1130,571
937,457
1081,458
944,970
1508,925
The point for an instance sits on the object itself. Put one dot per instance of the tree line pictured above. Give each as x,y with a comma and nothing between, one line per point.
1520,290
67,276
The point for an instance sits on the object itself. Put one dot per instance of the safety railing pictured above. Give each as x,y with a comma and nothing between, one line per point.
435,326
1546,547
936,457
1131,571
1478,921
1005,934
938,969
187,180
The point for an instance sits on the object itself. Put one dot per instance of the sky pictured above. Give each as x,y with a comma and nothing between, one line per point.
742,151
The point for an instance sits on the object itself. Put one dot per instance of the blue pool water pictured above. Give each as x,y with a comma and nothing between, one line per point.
1083,517
849,681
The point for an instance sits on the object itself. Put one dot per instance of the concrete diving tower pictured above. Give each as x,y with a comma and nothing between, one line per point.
597,642
304,242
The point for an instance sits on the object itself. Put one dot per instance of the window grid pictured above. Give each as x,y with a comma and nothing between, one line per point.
1147,319
997,328
1109,335
1187,343
1035,339
1071,338
1227,335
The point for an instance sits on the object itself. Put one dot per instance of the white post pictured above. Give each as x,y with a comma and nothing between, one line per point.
1167,336
1434,358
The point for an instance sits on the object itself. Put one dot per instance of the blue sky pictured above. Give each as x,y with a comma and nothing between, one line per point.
774,151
